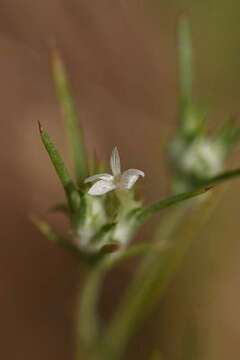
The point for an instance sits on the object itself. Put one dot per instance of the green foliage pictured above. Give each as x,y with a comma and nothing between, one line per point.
47,231
147,212
71,118
194,155
154,274
185,61
61,208
101,227
61,170
90,328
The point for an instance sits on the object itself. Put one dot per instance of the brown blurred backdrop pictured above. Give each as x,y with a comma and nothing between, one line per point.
121,56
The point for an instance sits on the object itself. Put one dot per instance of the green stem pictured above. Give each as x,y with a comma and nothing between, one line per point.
152,279
89,328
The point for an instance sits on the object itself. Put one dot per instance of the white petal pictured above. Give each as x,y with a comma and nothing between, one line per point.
115,162
106,177
129,177
101,187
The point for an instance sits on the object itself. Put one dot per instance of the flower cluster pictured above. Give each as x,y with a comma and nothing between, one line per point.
196,156
106,220
99,222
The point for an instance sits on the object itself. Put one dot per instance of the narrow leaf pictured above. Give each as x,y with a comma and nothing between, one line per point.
132,252
71,118
103,231
61,170
185,60
229,134
144,213
47,231
61,207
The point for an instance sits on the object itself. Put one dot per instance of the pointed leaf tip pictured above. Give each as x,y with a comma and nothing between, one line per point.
40,127
55,56
144,213
61,170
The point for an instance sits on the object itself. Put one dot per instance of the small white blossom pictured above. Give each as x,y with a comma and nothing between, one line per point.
107,182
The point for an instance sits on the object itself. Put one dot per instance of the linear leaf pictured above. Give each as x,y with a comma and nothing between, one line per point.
47,231
103,231
71,118
61,170
185,60
60,207
144,213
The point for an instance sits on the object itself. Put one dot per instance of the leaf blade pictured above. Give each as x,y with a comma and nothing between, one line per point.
48,232
70,115
61,170
185,60
147,212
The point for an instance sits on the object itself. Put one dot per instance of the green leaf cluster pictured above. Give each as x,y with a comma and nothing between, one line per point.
102,227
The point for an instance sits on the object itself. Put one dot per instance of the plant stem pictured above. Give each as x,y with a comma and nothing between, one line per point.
89,329
152,279
88,324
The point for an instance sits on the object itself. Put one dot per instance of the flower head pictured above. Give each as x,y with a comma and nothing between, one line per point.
107,182
204,158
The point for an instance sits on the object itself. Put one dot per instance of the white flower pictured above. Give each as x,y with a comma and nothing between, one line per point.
107,182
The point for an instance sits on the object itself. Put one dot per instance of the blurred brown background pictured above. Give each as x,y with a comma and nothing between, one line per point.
121,56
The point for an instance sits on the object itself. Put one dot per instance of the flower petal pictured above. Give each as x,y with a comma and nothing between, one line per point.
129,177
93,178
115,162
101,187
